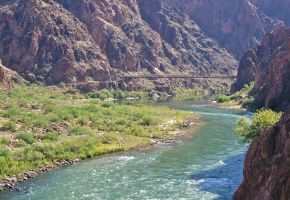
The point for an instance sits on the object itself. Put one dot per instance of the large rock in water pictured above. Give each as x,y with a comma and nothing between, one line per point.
267,166
96,42
236,24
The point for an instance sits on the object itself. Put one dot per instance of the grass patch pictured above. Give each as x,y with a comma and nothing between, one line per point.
51,136
244,98
223,99
29,138
187,93
79,130
44,125
115,94
9,126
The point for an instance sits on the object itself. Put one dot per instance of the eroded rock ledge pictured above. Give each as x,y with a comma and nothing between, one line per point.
267,165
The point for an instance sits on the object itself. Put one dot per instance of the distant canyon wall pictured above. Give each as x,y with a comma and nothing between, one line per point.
236,24
96,42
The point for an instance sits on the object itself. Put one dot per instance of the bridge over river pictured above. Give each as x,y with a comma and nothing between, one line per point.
176,77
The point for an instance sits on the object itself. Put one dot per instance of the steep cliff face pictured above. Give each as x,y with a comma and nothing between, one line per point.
117,28
236,24
183,34
279,9
272,86
269,67
267,171
126,31
246,70
97,42
44,42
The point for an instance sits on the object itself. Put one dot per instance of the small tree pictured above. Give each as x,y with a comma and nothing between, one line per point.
223,99
262,120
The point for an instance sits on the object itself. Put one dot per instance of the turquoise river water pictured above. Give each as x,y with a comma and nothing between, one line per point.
207,166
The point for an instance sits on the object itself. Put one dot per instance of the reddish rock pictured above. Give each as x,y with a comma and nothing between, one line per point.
267,166
236,24
279,9
44,42
246,71
92,44
272,87
7,77
269,66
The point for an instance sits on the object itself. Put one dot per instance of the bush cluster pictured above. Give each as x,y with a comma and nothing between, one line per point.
49,125
263,119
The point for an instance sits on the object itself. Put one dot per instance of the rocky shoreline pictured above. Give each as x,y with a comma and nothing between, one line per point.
12,181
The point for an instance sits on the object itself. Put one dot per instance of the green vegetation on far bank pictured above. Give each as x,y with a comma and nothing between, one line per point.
244,98
187,93
178,93
118,94
40,125
262,120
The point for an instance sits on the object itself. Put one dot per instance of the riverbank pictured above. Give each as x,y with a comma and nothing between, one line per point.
43,130
208,165
178,136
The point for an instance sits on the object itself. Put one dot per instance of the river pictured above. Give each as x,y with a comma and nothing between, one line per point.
207,166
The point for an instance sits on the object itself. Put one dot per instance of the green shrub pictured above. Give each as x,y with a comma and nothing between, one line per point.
248,101
4,141
102,94
106,105
147,121
123,125
9,126
34,119
119,94
51,136
187,93
223,99
4,169
262,120
21,143
4,151
29,138
108,139
80,130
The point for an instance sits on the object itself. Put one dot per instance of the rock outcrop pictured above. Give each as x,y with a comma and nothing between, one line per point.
44,42
269,67
272,88
267,164
8,77
236,24
246,70
267,171
92,44
279,9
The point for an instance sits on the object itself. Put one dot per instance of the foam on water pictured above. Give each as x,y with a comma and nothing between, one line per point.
125,158
209,166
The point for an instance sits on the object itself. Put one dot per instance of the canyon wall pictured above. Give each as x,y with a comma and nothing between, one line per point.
99,42
236,24
268,66
267,171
